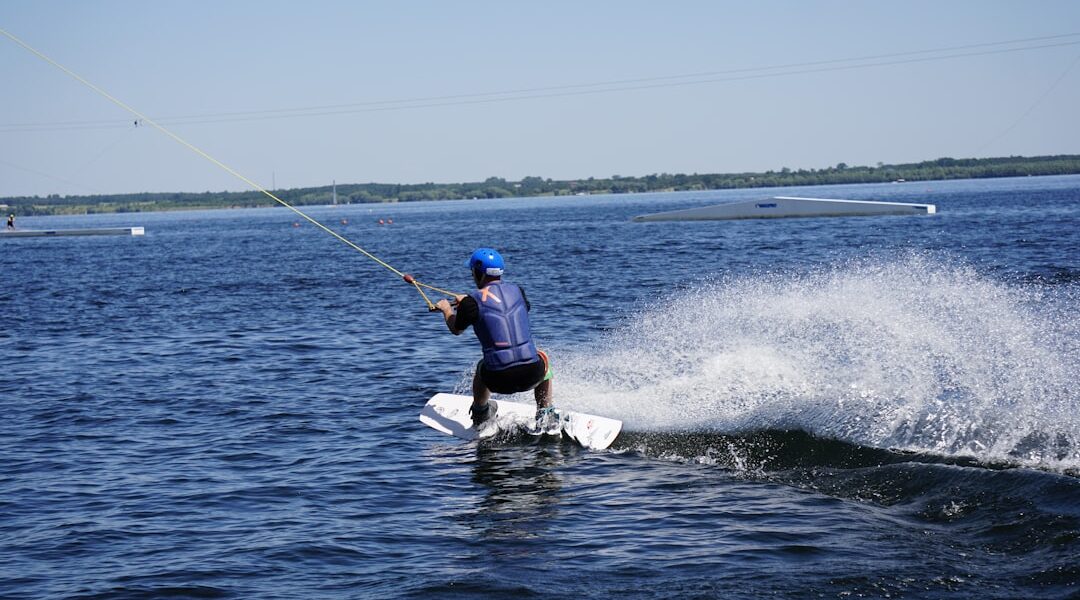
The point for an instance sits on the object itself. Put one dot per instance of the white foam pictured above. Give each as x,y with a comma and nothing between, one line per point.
910,354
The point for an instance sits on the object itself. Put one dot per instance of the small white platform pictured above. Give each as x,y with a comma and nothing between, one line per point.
787,207
67,232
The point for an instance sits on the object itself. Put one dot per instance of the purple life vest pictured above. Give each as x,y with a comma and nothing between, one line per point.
503,326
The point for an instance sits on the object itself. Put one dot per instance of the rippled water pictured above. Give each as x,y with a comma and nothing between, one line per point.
845,407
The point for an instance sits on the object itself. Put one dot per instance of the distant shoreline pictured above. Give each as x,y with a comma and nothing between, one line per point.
495,187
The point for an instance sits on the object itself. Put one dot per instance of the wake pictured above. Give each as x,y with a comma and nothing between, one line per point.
911,355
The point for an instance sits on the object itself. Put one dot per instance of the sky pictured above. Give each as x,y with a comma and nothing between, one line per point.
299,94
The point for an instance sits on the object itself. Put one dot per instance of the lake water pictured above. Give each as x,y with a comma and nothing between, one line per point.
839,407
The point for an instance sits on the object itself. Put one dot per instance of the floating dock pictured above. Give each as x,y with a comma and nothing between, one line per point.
66,232
782,207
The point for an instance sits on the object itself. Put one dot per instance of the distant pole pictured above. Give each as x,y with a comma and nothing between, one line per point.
335,192
273,180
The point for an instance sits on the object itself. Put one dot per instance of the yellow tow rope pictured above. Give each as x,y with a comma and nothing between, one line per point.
141,118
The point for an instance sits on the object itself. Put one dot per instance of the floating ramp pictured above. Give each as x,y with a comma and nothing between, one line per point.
66,232
786,207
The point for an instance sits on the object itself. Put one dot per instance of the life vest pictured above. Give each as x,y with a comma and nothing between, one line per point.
503,326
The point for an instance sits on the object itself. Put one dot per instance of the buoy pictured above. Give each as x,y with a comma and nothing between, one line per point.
381,222
344,221
389,221
295,224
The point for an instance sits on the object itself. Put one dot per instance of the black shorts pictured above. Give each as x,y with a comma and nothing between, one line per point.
521,378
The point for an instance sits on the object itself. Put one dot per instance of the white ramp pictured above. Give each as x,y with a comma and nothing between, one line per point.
787,207
69,232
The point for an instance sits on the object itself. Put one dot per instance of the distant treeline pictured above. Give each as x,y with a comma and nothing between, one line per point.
495,187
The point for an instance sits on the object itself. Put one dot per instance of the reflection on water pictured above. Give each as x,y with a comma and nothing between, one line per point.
523,489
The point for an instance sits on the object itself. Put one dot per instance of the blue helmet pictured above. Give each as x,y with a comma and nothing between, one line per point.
486,261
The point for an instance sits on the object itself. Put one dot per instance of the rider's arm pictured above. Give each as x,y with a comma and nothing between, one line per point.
466,314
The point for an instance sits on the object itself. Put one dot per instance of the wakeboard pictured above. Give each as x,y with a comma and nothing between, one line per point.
449,413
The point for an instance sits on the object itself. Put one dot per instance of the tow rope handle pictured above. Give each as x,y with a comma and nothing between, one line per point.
430,306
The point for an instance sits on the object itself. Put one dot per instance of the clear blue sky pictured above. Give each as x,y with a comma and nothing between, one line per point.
202,58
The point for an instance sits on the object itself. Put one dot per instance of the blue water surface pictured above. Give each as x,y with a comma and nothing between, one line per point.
227,407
